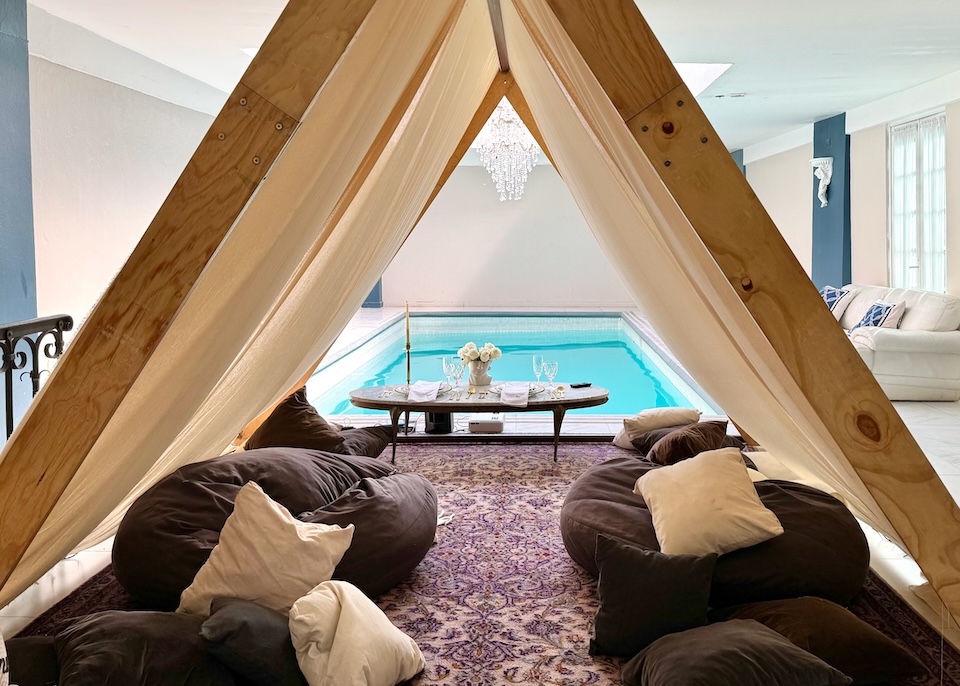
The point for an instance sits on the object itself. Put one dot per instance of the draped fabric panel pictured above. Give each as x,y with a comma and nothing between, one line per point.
662,260
298,263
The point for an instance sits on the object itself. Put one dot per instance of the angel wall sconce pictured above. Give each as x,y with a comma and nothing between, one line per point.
823,170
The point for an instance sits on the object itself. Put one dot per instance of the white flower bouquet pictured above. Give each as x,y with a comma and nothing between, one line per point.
470,352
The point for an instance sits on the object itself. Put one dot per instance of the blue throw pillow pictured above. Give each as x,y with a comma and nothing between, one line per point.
836,299
876,315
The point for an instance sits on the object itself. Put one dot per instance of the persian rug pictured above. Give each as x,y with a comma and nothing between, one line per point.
497,600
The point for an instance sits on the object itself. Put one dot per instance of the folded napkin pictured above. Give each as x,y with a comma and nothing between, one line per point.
515,393
424,391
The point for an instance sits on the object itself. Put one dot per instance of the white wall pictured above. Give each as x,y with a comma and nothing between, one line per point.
784,183
472,250
104,159
868,206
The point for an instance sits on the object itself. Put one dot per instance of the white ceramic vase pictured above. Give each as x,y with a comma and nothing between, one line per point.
478,373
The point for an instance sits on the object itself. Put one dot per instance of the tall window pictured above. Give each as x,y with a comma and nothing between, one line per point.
918,204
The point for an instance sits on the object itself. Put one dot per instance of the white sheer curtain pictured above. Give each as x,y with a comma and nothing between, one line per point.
918,209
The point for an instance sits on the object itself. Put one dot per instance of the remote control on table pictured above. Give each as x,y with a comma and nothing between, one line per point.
580,385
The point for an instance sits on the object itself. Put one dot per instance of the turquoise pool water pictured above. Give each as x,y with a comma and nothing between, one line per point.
604,350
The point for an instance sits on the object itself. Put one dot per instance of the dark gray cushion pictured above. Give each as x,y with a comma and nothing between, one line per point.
253,641
833,634
646,440
295,423
735,653
117,648
33,661
645,595
168,533
688,442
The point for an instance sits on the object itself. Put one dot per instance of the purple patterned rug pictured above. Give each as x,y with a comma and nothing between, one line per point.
497,600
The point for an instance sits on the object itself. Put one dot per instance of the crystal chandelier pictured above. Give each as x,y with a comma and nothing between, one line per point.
507,151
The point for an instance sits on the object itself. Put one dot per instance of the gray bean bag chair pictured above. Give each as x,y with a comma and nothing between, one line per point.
822,551
168,533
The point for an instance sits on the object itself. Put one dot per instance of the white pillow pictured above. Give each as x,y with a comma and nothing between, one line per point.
654,418
706,504
343,639
265,555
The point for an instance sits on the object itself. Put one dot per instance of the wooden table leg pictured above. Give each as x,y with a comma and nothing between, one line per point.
395,413
558,412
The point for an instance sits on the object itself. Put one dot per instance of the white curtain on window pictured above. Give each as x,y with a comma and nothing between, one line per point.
918,204
933,203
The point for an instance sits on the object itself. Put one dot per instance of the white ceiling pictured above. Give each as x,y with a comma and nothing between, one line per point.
795,62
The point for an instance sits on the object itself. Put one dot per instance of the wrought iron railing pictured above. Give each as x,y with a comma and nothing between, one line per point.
32,334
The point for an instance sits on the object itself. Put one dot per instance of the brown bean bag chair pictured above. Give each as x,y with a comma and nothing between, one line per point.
822,551
168,533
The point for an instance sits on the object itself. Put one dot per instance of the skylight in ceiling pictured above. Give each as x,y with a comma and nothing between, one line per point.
699,75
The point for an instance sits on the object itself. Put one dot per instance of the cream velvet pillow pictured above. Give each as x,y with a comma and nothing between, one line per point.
706,504
654,418
343,639
265,555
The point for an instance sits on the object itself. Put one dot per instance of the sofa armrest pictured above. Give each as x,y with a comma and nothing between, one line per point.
906,341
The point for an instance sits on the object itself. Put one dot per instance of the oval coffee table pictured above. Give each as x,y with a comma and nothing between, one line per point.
394,400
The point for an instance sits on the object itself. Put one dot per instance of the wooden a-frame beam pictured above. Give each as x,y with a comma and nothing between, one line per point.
102,363
671,129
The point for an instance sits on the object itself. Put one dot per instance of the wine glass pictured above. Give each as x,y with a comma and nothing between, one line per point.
550,371
457,368
538,366
448,368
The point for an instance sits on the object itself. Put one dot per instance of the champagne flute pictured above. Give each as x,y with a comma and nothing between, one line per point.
538,366
448,369
550,371
458,368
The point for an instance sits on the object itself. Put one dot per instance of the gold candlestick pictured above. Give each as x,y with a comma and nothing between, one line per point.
408,342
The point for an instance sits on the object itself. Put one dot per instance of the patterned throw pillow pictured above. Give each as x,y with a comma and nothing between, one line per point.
885,315
836,300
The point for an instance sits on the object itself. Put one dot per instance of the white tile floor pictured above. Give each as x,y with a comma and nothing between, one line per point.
936,427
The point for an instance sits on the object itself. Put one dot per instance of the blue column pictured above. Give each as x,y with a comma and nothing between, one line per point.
738,158
18,272
375,299
831,224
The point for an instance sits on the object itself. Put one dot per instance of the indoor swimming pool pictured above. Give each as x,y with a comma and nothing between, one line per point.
605,350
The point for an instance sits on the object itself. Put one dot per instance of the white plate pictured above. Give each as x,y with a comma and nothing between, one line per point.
405,390
533,389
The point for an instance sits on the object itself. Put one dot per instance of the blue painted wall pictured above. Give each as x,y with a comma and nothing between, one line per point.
18,272
831,224
738,158
18,277
375,299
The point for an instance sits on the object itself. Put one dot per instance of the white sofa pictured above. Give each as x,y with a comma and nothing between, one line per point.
920,360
